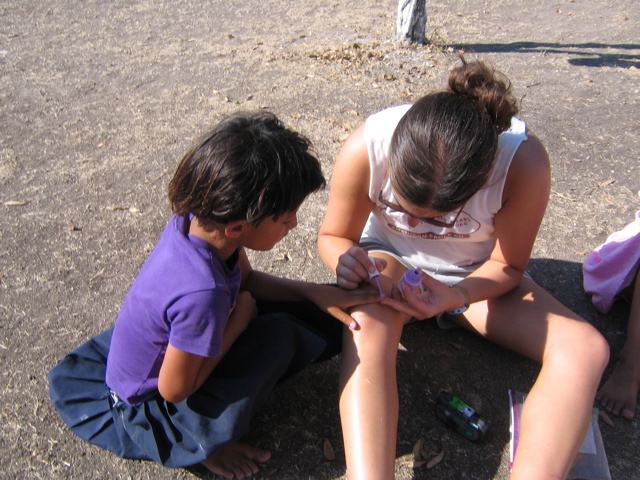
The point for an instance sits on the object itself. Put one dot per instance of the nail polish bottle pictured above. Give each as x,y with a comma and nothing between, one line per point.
413,278
375,276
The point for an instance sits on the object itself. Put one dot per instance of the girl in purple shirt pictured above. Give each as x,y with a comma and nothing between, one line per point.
192,356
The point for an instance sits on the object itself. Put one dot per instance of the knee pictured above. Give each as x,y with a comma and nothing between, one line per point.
377,317
587,346
600,350
380,329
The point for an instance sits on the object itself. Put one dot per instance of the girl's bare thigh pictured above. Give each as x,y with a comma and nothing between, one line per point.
528,320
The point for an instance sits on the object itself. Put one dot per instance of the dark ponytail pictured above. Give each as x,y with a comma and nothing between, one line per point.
490,88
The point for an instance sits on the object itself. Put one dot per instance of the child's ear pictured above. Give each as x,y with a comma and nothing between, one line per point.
234,229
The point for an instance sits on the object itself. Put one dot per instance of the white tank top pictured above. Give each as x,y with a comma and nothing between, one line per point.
449,254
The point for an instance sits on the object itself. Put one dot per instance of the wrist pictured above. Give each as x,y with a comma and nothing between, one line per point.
465,296
306,290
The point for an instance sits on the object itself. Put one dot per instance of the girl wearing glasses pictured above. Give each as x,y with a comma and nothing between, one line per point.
456,186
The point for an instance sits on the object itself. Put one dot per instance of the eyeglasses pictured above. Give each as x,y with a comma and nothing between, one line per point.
445,221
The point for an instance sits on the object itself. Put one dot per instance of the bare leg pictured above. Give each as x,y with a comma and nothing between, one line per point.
237,460
573,354
368,388
619,394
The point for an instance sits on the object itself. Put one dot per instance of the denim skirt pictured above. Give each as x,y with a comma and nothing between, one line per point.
273,347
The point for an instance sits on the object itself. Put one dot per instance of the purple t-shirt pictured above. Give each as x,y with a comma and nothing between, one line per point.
183,296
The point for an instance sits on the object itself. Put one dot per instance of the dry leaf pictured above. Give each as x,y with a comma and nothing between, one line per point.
329,453
424,451
417,449
606,418
436,460
14,203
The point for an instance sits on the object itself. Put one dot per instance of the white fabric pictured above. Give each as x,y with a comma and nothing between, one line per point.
448,254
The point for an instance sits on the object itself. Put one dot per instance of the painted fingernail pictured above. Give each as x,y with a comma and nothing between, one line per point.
353,325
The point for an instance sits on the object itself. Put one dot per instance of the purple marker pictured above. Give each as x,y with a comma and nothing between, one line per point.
375,276
413,278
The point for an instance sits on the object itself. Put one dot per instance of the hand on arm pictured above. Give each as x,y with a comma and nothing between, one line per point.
336,301
332,300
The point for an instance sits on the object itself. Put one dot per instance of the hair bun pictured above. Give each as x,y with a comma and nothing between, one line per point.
489,88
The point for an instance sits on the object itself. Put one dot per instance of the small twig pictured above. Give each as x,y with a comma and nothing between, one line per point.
561,195
97,275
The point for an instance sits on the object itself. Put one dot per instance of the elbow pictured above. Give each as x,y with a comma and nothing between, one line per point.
320,240
326,248
174,398
173,394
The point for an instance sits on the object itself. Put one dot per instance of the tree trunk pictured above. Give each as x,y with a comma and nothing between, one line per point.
412,21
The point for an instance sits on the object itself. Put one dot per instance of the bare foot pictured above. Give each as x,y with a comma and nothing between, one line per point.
619,393
237,460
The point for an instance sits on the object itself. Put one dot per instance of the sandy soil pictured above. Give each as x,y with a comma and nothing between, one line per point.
100,99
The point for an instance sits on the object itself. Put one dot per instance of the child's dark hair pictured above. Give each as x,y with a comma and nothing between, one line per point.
250,167
443,149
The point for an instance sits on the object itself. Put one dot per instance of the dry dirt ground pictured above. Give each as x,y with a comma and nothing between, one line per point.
101,98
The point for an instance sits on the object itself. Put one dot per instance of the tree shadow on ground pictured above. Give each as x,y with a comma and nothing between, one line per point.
589,54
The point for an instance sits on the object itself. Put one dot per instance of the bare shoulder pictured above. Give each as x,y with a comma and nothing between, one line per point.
349,204
354,154
351,171
530,168
531,156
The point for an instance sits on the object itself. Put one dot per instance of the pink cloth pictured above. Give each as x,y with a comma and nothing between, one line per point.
612,266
